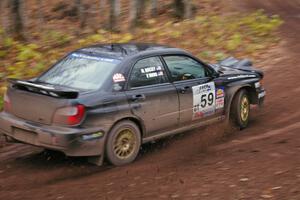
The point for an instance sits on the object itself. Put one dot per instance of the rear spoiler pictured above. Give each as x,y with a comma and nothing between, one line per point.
42,89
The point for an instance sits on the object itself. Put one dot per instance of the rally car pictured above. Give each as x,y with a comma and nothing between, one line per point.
104,101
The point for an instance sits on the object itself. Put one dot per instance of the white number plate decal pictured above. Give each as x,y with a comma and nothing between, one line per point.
203,100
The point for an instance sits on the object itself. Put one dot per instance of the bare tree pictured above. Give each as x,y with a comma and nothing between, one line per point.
3,5
114,14
133,13
179,8
183,8
137,9
153,8
102,5
16,19
78,5
118,8
81,13
40,4
140,9
188,5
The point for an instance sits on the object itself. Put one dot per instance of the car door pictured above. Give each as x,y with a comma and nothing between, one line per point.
152,97
199,97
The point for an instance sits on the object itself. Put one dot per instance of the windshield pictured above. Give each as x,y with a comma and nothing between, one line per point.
80,71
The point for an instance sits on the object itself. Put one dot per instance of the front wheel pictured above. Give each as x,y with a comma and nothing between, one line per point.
123,143
240,109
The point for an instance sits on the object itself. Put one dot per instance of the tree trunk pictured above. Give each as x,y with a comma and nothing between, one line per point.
114,14
179,8
102,5
80,13
3,7
137,8
140,9
154,8
17,24
102,15
40,4
133,13
188,4
118,8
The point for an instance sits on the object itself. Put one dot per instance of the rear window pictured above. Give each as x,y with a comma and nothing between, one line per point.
80,71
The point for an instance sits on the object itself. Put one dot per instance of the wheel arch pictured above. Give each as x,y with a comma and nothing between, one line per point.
135,120
234,91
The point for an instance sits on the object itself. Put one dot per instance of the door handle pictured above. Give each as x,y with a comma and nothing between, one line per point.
182,90
138,97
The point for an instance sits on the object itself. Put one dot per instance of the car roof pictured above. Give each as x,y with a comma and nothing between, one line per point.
122,50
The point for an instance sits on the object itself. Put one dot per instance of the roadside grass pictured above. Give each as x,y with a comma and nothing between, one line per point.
210,37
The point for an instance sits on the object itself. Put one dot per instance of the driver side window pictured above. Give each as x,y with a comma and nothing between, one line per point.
184,68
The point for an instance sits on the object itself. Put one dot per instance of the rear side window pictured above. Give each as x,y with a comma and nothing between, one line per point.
80,71
184,68
148,71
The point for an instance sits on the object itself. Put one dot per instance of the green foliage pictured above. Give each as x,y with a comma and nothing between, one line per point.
27,52
56,38
8,42
220,56
2,91
260,24
234,42
103,36
96,38
3,53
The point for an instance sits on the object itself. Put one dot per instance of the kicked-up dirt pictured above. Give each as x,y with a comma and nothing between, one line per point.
260,162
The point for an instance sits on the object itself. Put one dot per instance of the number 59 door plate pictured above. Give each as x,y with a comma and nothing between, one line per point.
203,100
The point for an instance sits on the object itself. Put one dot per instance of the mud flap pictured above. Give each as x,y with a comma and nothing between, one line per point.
9,139
96,160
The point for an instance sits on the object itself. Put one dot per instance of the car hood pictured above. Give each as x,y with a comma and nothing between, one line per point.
233,66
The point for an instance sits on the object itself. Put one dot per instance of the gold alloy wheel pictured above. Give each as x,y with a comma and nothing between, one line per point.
245,108
124,144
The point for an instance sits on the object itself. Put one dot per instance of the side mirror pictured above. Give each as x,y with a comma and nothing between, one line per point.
215,75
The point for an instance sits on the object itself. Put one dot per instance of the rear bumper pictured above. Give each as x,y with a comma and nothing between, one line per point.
71,141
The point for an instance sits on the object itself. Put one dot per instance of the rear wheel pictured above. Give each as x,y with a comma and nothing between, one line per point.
123,143
240,109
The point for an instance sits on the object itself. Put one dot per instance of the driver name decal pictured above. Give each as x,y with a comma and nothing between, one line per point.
203,100
152,72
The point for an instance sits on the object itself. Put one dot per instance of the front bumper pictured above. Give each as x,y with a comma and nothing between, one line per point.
71,141
261,93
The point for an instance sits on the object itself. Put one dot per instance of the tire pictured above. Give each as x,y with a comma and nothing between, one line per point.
123,143
240,109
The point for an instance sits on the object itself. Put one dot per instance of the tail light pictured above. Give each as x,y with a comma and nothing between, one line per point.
7,103
71,115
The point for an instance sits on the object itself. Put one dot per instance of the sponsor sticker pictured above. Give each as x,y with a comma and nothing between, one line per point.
219,103
220,92
118,77
241,76
84,56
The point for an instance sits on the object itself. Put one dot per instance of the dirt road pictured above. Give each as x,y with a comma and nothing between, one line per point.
261,162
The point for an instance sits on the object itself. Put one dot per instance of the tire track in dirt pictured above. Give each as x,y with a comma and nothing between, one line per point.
285,130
